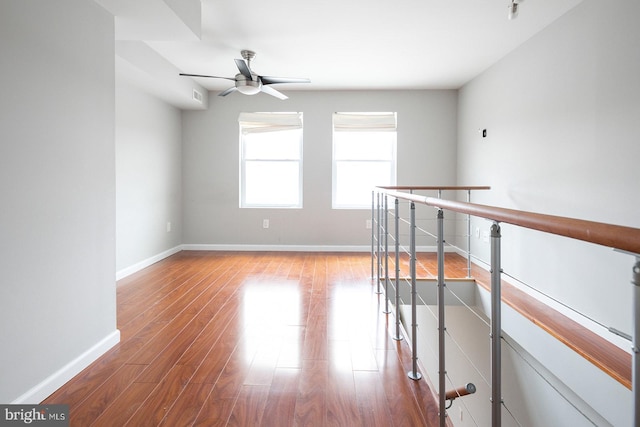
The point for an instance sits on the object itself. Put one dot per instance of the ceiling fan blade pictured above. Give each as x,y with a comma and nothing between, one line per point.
267,80
202,75
244,68
228,91
271,91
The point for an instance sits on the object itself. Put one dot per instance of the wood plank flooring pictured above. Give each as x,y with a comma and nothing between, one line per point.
252,339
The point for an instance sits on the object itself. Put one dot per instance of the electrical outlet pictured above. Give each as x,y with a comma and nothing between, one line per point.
265,223
168,226
485,236
367,224
477,232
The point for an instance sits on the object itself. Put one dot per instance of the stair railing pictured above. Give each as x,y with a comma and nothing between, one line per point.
625,239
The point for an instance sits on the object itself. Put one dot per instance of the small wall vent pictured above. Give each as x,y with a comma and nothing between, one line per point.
197,96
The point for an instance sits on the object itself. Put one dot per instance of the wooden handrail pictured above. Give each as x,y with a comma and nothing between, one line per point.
614,236
461,391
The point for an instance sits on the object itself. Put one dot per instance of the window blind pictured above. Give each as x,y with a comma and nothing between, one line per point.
364,122
269,122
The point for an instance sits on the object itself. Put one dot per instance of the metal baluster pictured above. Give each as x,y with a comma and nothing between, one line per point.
373,204
386,257
635,366
441,322
397,337
468,237
496,329
413,374
378,265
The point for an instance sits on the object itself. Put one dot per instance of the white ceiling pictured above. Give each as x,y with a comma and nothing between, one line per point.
338,44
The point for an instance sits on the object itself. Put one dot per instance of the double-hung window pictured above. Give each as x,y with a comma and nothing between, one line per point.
364,156
270,160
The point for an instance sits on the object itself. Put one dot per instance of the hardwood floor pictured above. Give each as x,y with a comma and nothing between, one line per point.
252,339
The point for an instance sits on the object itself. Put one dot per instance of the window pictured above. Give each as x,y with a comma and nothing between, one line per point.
364,156
270,160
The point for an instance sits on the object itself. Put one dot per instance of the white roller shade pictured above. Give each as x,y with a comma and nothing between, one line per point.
269,122
364,122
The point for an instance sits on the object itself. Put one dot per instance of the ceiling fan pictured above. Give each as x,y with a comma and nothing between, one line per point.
250,83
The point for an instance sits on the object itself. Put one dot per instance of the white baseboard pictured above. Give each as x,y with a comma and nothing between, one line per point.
278,248
457,250
121,274
427,249
56,380
290,248
295,248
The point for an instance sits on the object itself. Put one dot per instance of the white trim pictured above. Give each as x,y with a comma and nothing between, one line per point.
293,248
275,248
127,271
56,380
245,248
457,250
447,249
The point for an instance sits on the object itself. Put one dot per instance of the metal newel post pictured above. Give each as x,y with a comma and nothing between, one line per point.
386,256
397,337
635,366
413,374
496,329
441,325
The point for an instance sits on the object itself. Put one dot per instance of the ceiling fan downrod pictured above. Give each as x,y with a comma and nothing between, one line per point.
248,55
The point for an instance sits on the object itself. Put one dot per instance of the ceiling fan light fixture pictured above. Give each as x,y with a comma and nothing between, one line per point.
249,87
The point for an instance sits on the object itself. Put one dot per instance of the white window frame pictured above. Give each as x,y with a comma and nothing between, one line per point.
256,123
358,123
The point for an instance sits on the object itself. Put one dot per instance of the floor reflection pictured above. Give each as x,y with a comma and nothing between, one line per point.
273,324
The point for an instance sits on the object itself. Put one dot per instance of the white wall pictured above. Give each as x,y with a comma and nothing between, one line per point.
544,382
426,154
562,119
57,185
148,176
